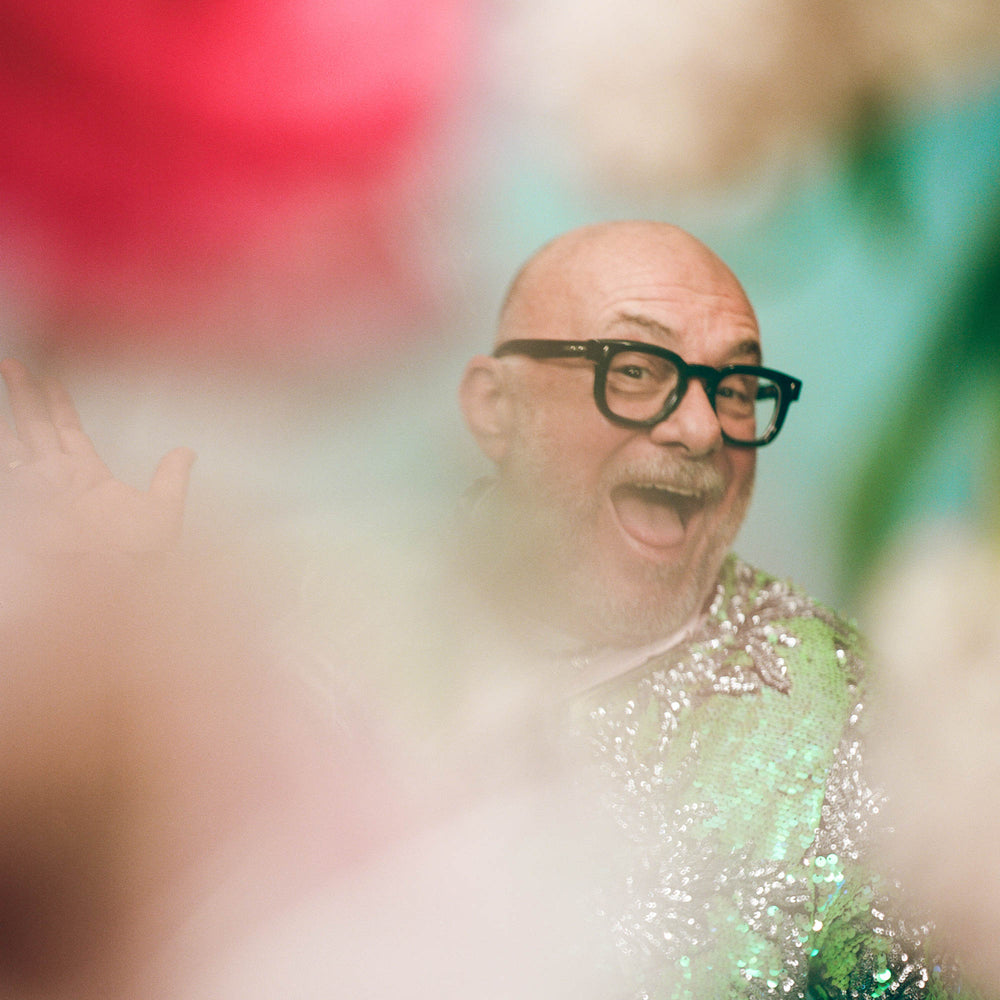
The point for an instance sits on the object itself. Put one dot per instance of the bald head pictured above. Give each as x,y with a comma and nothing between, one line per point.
554,281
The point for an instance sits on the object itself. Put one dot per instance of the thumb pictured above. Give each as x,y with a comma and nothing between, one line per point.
170,480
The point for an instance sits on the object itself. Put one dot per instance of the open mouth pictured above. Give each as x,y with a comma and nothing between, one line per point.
655,516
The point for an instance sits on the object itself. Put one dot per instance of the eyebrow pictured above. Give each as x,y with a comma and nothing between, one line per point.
750,346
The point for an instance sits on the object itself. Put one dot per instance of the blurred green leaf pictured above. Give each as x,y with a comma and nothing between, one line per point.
963,353
878,156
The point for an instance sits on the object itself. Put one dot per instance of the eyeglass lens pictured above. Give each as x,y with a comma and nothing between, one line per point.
640,386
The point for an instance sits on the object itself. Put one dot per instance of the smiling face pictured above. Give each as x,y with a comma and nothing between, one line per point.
627,528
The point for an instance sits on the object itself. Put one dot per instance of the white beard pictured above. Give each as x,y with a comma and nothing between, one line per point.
541,559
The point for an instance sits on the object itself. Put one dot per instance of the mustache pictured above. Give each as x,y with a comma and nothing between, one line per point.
700,479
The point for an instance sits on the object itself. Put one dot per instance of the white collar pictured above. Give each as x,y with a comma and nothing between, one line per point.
596,666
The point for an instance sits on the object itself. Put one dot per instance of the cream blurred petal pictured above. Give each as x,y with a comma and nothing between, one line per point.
693,95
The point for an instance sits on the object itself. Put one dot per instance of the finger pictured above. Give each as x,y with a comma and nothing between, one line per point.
59,404
32,420
11,450
66,420
170,481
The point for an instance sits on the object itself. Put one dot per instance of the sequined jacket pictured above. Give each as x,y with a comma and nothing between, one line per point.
732,765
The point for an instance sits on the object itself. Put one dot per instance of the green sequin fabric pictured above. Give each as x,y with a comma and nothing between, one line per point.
732,768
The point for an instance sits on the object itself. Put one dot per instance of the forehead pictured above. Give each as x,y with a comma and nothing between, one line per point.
652,284
734,341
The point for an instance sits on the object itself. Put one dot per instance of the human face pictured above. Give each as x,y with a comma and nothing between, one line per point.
630,526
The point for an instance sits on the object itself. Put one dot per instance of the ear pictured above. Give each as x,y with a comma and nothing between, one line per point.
486,405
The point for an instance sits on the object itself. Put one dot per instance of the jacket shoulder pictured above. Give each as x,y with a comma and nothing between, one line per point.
789,636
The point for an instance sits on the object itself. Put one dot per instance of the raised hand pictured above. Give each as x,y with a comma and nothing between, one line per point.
58,496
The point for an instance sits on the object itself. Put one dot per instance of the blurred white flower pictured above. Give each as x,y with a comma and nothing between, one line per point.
936,739
682,94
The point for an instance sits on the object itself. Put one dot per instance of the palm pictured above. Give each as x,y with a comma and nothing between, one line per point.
59,496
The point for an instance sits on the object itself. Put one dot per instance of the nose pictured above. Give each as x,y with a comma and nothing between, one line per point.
693,425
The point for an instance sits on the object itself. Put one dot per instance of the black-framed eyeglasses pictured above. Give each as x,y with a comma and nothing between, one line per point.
637,385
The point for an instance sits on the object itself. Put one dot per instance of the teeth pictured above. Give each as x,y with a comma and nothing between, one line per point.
675,491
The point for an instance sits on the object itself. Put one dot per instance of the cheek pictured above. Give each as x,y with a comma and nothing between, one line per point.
742,463
566,447
563,464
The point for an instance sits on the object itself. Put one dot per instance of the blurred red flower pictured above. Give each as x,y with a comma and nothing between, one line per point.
146,137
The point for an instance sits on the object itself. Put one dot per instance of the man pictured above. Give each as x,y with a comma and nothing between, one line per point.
622,406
